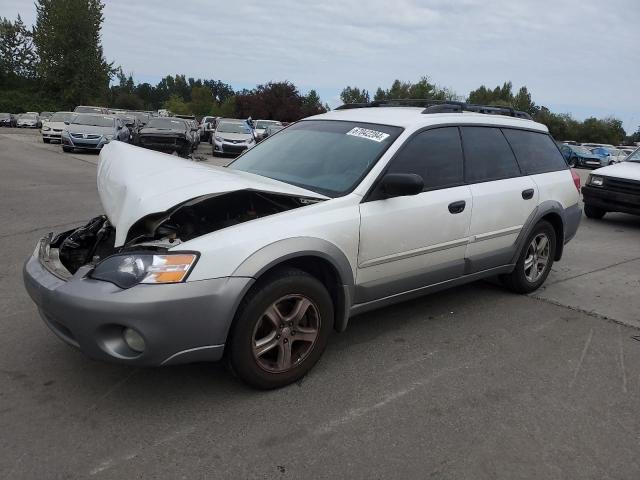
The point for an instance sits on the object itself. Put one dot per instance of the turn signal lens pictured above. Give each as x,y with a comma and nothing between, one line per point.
169,268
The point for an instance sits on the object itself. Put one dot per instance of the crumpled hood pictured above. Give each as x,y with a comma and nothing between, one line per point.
162,132
627,170
134,182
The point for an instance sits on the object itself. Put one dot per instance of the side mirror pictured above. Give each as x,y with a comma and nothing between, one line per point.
119,127
194,129
401,184
66,123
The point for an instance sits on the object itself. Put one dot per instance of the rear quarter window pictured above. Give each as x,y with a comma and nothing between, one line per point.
536,152
487,154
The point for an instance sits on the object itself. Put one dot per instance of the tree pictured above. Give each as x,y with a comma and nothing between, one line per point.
274,100
354,95
312,105
72,65
176,104
201,101
18,58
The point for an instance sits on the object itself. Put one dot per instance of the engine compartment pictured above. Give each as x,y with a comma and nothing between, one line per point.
160,231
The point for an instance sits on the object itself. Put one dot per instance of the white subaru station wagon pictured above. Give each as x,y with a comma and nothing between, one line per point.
256,263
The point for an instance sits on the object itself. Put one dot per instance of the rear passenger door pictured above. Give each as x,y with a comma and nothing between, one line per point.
411,241
503,197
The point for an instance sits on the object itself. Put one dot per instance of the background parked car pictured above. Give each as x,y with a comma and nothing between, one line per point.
261,125
7,120
44,116
29,120
232,136
207,125
89,131
91,109
271,129
167,134
52,129
580,156
609,156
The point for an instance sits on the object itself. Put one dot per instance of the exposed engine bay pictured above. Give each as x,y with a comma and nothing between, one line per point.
160,231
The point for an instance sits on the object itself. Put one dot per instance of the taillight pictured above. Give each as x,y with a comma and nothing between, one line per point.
576,179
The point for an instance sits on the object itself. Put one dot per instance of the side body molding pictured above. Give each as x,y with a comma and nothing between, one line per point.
291,248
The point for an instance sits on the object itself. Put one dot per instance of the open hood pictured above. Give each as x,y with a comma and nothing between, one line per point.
134,182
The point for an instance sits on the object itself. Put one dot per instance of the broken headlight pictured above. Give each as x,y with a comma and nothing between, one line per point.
128,270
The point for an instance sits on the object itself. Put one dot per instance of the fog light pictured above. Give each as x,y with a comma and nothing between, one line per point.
133,340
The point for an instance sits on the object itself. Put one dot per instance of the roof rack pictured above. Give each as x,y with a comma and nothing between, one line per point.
440,106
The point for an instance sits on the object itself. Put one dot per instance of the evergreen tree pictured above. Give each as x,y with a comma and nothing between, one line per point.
72,65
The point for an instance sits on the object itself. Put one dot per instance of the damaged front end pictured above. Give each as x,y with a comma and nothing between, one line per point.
155,234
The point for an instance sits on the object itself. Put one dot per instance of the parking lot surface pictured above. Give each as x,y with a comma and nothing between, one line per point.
474,382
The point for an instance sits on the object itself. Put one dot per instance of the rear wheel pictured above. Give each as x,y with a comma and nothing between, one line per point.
593,212
535,261
281,329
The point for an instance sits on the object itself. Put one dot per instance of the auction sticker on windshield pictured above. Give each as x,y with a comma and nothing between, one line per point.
368,134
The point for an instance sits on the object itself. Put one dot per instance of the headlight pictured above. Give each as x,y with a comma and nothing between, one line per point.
131,269
46,129
109,137
218,139
250,140
596,181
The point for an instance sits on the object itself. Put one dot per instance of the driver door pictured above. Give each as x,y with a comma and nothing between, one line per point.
409,242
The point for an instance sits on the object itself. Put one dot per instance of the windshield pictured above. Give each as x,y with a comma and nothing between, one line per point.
143,117
5,115
233,127
61,117
166,124
93,120
634,157
329,157
29,115
88,110
265,123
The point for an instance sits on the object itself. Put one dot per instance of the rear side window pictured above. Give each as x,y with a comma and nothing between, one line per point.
536,152
435,155
488,155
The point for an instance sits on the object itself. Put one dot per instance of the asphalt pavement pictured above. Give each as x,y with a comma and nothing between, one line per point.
471,383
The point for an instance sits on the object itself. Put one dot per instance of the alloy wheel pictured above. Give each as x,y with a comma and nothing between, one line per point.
286,333
537,257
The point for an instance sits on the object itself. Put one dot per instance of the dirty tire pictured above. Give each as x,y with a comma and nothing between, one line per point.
593,212
251,318
519,280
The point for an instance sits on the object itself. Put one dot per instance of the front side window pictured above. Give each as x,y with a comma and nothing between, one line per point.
328,157
435,155
536,152
487,155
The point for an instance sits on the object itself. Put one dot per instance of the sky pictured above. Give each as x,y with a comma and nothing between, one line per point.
575,56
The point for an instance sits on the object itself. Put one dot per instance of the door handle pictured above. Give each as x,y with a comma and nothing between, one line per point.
528,194
457,207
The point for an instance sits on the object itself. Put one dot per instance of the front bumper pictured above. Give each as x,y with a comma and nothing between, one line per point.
590,162
88,144
51,135
180,323
611,201
225,148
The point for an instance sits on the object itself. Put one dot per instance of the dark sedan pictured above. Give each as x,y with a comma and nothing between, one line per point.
169,135
579,156
7,120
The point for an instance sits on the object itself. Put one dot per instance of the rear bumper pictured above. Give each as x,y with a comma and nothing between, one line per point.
611,201
572,216
180,323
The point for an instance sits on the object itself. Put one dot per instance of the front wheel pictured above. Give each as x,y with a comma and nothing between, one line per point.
46,140
281,329
67,149
593,212
535,261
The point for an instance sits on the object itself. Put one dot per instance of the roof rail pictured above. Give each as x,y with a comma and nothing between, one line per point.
440,106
